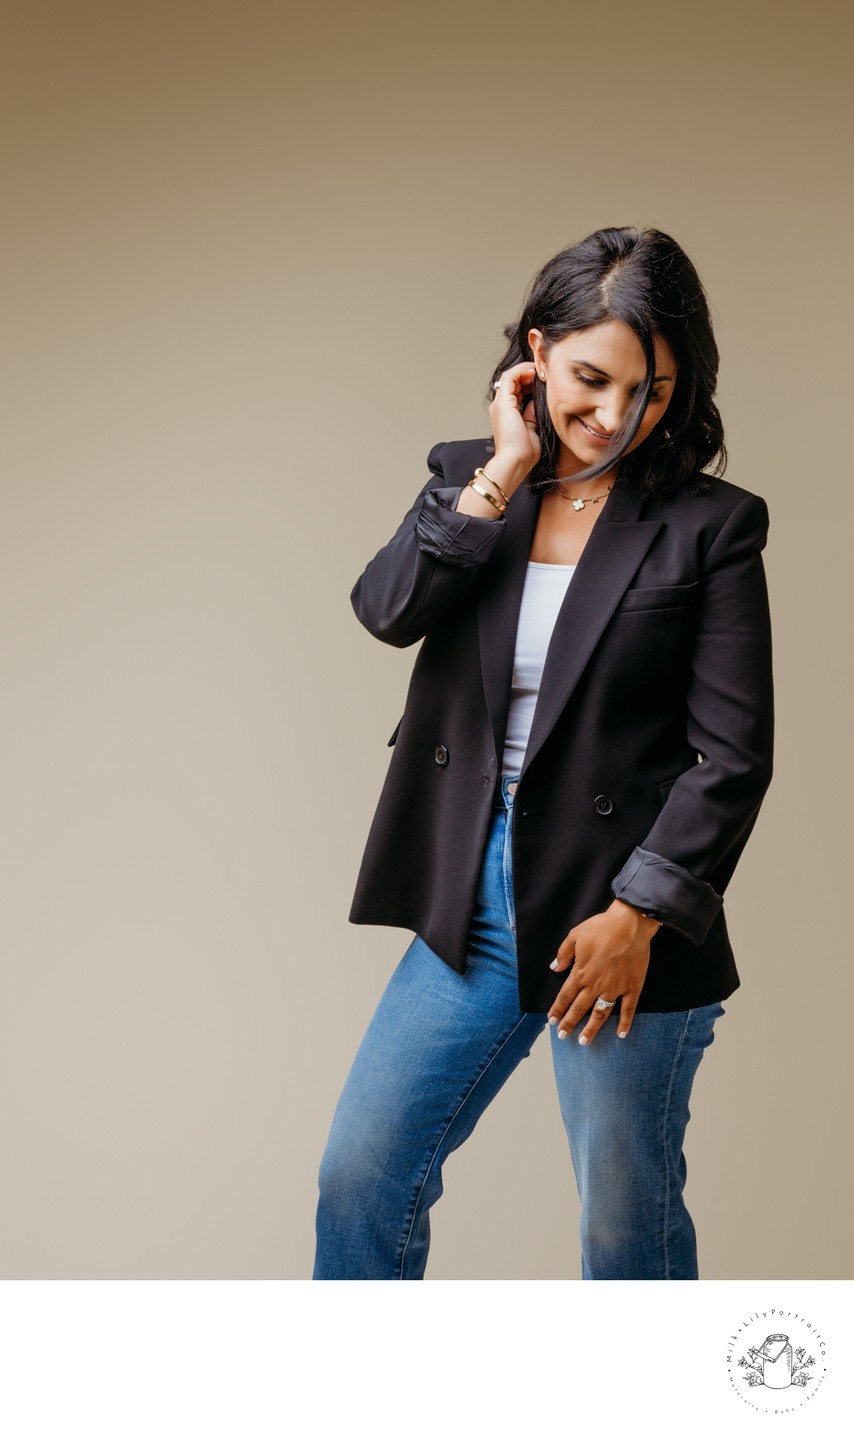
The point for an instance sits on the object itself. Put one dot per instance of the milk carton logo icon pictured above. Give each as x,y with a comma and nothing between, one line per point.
776,1354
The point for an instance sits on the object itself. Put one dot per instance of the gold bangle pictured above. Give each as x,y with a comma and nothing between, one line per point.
473,484
492,481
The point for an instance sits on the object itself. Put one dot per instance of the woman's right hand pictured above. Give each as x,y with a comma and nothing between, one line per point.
511,413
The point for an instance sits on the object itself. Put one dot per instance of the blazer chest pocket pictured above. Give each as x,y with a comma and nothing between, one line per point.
391,741
658,596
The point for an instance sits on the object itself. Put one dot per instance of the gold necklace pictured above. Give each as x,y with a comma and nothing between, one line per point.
580,503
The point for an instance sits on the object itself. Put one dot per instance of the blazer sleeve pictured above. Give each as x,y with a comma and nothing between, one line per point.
427,564
681,869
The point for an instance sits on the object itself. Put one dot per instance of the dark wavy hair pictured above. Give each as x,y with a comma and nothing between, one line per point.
642,277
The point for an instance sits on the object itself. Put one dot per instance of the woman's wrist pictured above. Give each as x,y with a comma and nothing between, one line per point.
507,474
646,922
508,471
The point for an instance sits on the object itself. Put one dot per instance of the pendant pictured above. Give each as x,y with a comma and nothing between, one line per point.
578,503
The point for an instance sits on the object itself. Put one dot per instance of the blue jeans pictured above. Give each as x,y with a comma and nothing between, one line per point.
438,1049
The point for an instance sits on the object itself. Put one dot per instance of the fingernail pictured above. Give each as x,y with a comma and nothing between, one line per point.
553,965
582,1039
622,1033
562,1033
552,1021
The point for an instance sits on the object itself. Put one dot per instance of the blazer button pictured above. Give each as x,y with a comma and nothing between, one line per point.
441,754
602,803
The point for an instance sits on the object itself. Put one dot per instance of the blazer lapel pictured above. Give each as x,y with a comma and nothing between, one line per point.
614,550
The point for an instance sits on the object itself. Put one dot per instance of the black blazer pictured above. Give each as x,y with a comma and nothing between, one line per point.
651,745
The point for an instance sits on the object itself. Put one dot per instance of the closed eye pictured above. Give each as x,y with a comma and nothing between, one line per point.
597,384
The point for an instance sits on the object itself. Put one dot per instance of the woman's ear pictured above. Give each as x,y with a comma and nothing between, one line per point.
535,339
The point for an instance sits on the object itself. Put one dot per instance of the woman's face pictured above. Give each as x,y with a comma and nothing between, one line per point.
591,379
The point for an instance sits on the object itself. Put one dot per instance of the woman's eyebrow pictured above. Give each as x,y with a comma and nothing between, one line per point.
659,378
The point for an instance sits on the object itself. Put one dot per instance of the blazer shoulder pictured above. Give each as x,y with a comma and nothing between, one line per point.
725,520
727,494
722,492
720,500
455,455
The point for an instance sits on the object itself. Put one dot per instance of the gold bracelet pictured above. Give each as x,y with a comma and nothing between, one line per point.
492,481
473,484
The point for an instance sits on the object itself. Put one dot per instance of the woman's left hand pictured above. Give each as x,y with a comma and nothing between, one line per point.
611,957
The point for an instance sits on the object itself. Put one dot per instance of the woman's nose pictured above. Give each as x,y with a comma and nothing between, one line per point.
610,416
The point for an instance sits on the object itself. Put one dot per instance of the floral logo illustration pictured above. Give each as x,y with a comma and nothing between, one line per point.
776,1360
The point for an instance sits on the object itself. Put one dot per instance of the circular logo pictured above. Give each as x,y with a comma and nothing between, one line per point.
776,1360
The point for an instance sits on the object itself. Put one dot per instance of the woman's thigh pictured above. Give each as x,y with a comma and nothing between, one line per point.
437,1050
625,1106
438,1042
632,1081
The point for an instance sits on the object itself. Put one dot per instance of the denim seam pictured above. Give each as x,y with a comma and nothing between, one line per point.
667,1186
447,1129
508,886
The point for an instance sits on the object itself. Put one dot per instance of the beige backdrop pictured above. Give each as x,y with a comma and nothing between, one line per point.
259,257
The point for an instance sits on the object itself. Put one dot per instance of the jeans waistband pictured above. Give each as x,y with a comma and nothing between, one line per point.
504,796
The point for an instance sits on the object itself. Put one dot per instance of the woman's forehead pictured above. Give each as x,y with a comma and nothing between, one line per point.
612,345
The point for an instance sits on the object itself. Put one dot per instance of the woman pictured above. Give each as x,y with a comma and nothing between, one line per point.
586,743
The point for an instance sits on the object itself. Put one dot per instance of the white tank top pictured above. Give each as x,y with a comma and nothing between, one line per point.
542,596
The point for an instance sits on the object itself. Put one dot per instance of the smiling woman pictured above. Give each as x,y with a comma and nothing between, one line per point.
618,332
581,418
585,747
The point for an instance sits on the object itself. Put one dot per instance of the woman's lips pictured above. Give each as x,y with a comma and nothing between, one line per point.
594,433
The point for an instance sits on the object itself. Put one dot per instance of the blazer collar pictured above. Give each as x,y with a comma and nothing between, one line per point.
611,556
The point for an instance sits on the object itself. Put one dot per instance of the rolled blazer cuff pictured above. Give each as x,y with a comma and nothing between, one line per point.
463,540
677,897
